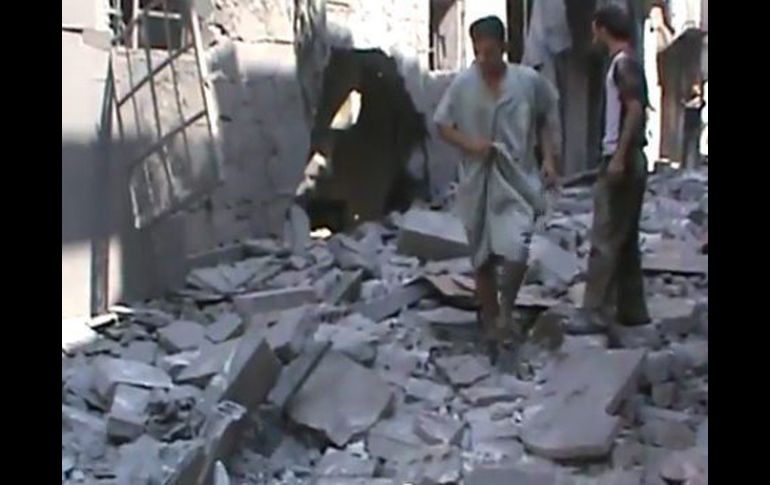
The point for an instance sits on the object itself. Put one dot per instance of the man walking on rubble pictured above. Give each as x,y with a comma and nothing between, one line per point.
614,265
494,113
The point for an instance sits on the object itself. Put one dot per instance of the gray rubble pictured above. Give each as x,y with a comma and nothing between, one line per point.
321,362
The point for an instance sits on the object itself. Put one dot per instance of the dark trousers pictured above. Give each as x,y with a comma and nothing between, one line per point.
615,262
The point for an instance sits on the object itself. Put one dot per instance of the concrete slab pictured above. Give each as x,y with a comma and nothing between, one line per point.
462,370
393,439
432,235
248,304
288,336
503,475
426,390
141,351
293,376
110,372
227,326
483,395
675,315
201,369
573,417
449,317
437,429
390,304
343,463
347,289
127,415
341,399
181,335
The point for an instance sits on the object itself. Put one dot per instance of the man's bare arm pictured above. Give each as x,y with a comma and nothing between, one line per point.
630,83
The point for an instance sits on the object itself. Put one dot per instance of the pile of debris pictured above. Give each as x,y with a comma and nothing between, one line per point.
353,360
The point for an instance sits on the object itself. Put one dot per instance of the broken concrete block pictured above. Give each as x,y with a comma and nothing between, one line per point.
201,369
342,463
689,467
691,355
657,366
181,335
627,453
439,465
251,372
87,433
128,413
670,434
437,429
174,364
449,317
293,376
552,262
110,372
516,387
290,333
675,315
393,439
485,430
347,288
349,254
426,390
141,351
354,340
432,235
664,394
221,434
341,398
139,462
248,304
390,304
573,418
481,395
226,327
678,260
462,370
501,475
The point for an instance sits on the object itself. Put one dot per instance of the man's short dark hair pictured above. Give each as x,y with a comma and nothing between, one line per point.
490,27
615,20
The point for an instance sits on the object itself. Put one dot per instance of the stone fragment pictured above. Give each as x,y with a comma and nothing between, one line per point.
110,372
432,235
689,467
437,429
291,332
342,463
664,394
462,370
141,351
427,390
481,395
139,462
657,366
504,475
347,289
676,259
552,262
690,355
221,434
393,439
86,434
439,465
670,434
675,315
393,302
226,327
293,376
248,304
181,335
449,317
174,364
485,429
341,398
127,415
574,418
201,369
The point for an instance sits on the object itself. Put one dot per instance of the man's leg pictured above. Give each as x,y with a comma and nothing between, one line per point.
512,277
486,293
631,304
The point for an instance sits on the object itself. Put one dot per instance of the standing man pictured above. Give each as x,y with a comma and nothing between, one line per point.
495,113
614,264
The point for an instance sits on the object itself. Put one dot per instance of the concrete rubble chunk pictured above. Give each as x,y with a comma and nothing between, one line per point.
201,369
552,262
450,289
139,462
354,339
462,370
484,429
341,398
670,434
174,364
481,395
343,463
432,235
347,288
692,354
439,464
293,376
390,304
675,315
574,416
393,439
502,475
687,466
248,304
290,333
226,327
221,434
110,372
181,335
427,390
627,453
351,254
657,366
437,429
449,316
141,351
677,260
251,372
128,415
87,433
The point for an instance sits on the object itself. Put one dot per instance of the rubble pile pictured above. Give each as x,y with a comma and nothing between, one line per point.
354,360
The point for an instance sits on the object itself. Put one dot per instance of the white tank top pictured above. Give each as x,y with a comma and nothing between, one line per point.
613,108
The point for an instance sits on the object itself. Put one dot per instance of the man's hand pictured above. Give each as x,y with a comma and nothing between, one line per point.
550,174
479,147
616,168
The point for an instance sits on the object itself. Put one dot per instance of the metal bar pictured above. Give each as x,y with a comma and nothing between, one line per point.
156,112
166,138
175,79
153,72
209,105
163,15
